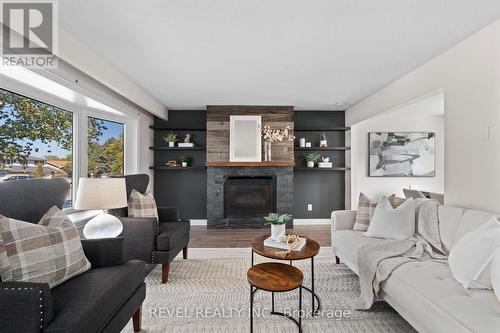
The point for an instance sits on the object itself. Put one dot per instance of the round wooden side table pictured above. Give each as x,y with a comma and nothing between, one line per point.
309,251
275,278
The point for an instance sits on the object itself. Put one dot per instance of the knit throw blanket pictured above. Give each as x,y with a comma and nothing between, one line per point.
378,260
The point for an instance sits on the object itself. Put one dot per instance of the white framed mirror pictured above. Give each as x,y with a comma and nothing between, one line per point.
245,139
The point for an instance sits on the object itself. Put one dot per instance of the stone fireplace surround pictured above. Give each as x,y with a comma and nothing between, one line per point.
216,176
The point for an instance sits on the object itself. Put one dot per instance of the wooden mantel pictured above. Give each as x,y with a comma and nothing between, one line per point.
251,164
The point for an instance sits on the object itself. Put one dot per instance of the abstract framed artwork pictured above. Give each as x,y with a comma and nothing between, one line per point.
402,154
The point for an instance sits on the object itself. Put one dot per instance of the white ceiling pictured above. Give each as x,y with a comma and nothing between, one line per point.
309,54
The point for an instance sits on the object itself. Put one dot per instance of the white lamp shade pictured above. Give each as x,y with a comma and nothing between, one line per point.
101,193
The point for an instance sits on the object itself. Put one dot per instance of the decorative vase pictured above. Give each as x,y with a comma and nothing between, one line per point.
310,164
302,142
184,164
278,231
323,143
171,144
267,151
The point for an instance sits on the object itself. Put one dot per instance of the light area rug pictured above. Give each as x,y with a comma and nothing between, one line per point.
209,293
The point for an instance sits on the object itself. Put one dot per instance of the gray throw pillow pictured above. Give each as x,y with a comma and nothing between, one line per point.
414,194
47,252
366,207
142,205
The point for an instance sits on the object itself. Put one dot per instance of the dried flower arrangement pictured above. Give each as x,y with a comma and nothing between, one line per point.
277,134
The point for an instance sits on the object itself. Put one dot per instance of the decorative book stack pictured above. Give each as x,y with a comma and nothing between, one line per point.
270,242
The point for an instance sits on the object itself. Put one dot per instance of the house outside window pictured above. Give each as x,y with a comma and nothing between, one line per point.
32,134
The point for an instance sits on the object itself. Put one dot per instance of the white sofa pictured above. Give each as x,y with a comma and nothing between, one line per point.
425,293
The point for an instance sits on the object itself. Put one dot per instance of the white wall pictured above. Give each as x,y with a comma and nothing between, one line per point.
87,61
469,75
422,116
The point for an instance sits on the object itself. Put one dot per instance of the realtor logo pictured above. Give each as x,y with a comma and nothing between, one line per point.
29,33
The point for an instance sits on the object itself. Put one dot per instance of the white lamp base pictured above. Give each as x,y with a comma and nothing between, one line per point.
103,226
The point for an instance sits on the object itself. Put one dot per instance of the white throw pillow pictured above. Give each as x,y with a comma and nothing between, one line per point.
470,258
495,273
395,223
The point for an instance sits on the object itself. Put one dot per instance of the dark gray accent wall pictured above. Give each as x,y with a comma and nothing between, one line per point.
215,195
187,189
325,190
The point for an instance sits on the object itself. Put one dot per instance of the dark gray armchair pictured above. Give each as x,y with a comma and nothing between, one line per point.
103,299
155,242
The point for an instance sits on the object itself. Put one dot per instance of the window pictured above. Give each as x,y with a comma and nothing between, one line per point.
105,149
36,140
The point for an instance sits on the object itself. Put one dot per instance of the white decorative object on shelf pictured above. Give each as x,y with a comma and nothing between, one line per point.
302,142
325,163
308,145
171,144
101,193
185,145
323,143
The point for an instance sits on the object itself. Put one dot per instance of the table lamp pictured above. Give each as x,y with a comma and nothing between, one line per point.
101,193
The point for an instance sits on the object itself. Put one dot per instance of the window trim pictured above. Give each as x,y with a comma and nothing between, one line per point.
80,115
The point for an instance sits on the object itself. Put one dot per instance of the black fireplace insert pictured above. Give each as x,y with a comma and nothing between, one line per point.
249,196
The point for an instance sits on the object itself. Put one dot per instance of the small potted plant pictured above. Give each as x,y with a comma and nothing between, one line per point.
278,225
311,159
170,138
184,160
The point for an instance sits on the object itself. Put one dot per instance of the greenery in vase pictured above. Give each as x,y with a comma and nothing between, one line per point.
274,218
170,137
184,158
311,157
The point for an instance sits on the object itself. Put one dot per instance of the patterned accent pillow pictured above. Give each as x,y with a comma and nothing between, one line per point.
366,208
47,252
142,205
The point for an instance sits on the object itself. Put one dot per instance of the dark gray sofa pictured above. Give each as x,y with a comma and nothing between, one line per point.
155,242
103,299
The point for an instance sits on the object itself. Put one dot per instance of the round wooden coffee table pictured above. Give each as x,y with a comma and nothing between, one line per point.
275,278
309,251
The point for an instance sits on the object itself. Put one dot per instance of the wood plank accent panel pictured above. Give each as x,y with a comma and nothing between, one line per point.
218,129
252,164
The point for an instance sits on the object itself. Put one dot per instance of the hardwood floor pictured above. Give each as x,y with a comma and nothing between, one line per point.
201,237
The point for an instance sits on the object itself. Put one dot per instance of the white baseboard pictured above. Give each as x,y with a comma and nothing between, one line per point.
198,222
295,222
311,221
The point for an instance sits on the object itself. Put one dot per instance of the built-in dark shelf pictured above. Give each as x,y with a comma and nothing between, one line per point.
331,129
161,128
177,168
321,149
177,148
323,187
322,169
